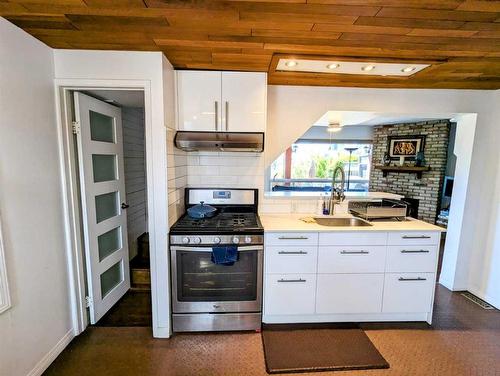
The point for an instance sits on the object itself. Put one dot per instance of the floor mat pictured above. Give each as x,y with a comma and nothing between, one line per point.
319,348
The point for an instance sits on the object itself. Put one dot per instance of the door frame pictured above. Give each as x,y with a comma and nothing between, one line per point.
156,177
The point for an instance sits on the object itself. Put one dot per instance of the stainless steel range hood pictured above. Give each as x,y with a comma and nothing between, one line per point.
220,141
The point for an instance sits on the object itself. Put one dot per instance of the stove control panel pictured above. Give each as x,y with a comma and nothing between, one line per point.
208,240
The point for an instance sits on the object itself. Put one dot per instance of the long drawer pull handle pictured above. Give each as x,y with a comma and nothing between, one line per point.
416,237
354,252
293,238
292,253
412,279
415,251
291,280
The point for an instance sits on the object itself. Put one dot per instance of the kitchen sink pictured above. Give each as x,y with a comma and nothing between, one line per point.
341,222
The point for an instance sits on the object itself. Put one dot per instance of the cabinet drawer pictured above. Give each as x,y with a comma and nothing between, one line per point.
291,238
291,259
351,259
289,294
412,258
408,292
414,238
353,238
349,293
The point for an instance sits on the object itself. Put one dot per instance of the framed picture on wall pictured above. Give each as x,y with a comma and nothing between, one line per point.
405,146
4,286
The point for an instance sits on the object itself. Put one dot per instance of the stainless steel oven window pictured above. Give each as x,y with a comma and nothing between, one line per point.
199,285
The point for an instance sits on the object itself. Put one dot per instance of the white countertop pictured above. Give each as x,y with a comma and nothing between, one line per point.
316,195
292,223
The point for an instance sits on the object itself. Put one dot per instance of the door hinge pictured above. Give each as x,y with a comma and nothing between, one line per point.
76,127
88,302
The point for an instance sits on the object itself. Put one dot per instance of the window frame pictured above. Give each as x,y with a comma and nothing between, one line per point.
323,142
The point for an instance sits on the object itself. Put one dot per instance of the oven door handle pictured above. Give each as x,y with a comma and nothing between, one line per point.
209,249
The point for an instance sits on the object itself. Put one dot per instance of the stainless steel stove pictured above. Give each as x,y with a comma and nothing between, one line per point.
208,296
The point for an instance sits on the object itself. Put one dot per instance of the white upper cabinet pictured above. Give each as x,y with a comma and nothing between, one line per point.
198,100
221,101
244,102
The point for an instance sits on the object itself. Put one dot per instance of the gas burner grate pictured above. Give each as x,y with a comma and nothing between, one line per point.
222,221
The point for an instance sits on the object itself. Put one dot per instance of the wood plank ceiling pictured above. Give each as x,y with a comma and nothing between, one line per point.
459,37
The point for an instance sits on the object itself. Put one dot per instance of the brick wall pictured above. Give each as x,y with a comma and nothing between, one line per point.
427,189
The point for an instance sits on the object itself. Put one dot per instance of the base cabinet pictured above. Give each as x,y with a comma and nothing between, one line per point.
294,294
408,292
349,293
348,276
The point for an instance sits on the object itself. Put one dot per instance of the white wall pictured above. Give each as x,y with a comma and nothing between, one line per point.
133,69
483,206
291,110
31,207
135,175
453,273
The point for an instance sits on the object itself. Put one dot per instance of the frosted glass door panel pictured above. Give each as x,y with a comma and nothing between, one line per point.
111,278
104,167
106,206
102,127
109,242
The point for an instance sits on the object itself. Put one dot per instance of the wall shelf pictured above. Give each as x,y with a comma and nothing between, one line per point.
405,169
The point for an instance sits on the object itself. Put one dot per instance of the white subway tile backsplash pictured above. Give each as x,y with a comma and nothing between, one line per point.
274,208
203,170
223,160
193,160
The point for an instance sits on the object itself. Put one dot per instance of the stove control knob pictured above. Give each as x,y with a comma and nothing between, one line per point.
248,239
185,240
216,240
236,240
197,240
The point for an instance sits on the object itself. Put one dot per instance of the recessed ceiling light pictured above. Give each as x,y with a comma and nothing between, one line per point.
408,69
333,127
291,63
332,66
368,68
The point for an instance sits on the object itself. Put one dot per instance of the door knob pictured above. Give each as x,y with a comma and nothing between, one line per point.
124,205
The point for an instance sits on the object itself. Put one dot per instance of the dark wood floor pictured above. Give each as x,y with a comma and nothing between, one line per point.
133,309
464,340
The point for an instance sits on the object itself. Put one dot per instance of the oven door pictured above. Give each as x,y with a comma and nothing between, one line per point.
199,285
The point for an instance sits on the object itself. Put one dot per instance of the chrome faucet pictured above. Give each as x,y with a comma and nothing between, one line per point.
337,195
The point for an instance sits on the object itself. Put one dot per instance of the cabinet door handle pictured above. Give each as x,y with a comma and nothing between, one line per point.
354,252
291,280
415,251
292,253
416,237
227,116
293,238
412,279
216,114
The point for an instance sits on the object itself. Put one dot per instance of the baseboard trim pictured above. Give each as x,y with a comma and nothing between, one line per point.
47,360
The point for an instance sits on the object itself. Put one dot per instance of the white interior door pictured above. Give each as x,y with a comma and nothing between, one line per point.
102,181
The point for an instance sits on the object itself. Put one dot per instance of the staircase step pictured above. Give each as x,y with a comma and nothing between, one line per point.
140,276
140,288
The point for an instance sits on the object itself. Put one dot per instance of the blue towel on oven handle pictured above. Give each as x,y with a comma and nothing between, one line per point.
226,255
